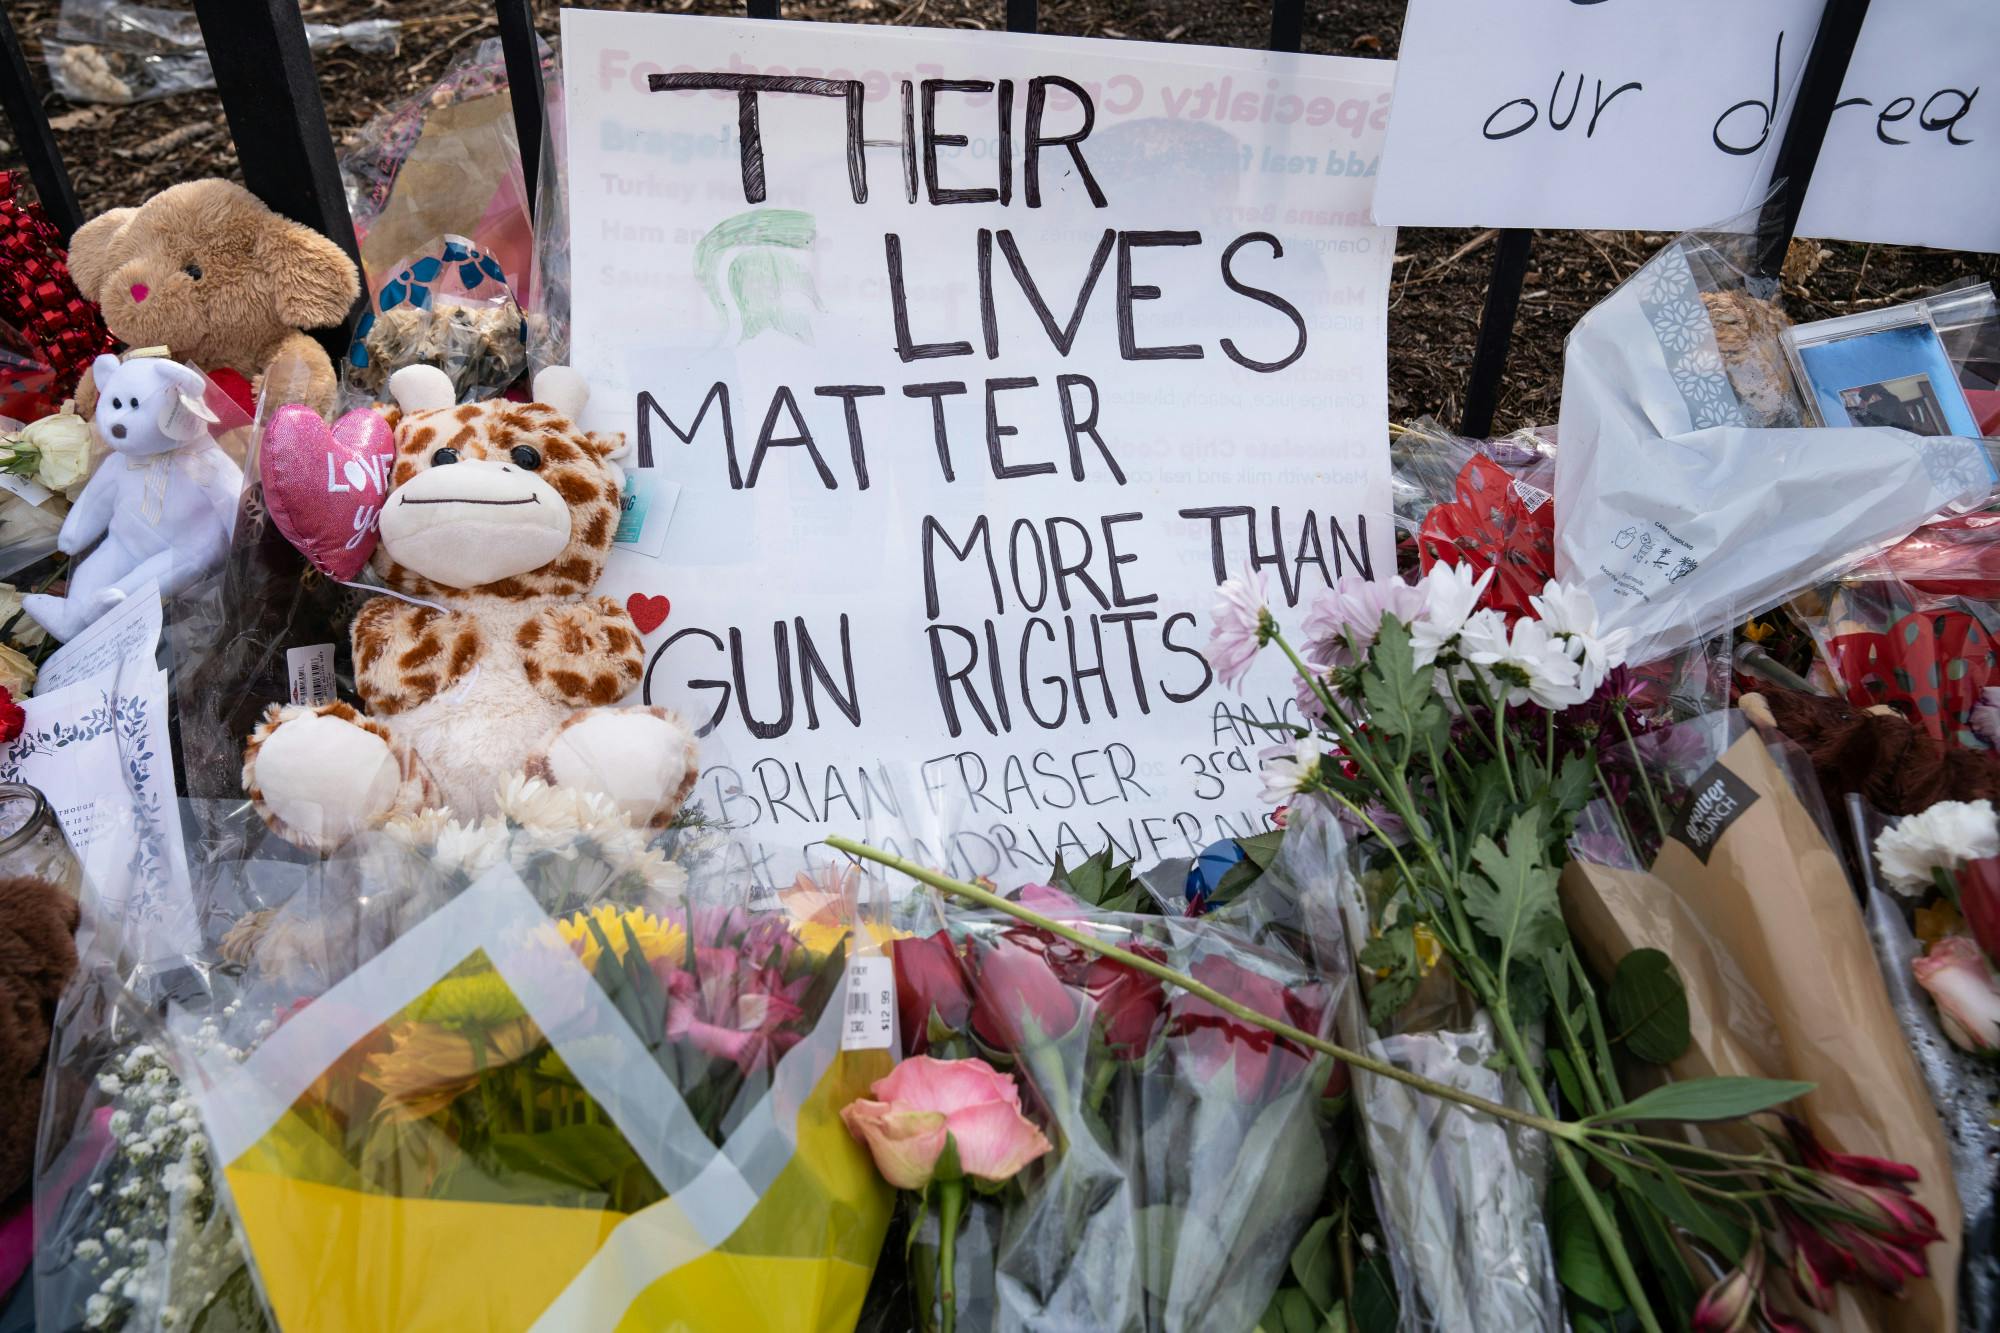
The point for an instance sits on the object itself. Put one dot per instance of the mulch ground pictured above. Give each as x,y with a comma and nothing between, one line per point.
119,155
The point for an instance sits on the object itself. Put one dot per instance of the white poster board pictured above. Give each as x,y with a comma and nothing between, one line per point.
1629,114
856,402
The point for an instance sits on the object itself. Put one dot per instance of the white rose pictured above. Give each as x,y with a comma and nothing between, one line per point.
62,445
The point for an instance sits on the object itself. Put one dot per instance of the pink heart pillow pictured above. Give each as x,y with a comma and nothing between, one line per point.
325,485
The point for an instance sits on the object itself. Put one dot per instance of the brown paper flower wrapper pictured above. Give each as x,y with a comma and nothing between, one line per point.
1782,983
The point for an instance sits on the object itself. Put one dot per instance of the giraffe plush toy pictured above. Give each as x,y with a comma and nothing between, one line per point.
496,526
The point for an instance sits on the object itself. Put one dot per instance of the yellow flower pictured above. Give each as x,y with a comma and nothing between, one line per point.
1757,631
1935,922
1428,948
820,909
657,939
476,1000
17,673
429,1066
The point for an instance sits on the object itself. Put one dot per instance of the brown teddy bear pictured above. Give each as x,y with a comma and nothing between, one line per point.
37,956
206,270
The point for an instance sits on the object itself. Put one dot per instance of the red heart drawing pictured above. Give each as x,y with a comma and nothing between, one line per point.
647,612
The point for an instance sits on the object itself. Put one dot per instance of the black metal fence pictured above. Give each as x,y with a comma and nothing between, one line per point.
270,95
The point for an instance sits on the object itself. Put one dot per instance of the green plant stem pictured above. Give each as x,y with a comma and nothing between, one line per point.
951,1202
1645,780
1557,1129
1593,1207
1604,1068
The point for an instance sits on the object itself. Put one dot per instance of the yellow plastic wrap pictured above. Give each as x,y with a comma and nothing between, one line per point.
470,1131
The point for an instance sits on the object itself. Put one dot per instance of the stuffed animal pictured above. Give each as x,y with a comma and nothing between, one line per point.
164,501
206,270
497,524
37,956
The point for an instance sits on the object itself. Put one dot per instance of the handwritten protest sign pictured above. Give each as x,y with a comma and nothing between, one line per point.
976,360
1624,113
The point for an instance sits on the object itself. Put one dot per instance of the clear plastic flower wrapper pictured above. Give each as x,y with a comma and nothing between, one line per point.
118,52
1460,1197
538,1071
1190,1149
1687,493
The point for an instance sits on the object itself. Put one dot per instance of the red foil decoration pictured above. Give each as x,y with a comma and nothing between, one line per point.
49,332
1930,666
1492,523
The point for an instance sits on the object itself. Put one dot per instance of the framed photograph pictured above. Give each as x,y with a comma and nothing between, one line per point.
1881,368
1968,321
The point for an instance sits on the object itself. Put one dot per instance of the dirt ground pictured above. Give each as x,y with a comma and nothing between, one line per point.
118,155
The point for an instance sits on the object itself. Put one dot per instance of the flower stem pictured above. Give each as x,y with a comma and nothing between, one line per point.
1645,779
1593,1207
1559,1129
951,1201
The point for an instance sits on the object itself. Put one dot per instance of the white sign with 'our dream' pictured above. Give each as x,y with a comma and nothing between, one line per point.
1636,114
978,360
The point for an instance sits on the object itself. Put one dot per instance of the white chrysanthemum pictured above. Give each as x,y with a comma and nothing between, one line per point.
470,849
1285,772
1451,592
1944,837
420,831
1569,613
1238,624
532,803
1526,663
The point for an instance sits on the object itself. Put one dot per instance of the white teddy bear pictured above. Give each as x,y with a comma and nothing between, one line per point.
164,502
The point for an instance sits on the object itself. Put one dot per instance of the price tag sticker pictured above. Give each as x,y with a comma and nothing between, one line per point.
311,670
870,1020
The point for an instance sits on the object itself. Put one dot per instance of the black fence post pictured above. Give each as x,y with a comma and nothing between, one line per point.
270,95
524,85
1022,15
763,9
1812,110
23,100
1496,331
1288,25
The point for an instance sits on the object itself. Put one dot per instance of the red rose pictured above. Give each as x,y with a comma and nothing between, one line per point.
1211,1038
1128,1002
12,718
1978,898
1018,996
929,980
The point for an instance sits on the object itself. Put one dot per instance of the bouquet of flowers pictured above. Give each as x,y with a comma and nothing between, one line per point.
522,1073
1167,1159
1458,750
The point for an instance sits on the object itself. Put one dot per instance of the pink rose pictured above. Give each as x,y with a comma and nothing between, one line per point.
1960,982
924,1101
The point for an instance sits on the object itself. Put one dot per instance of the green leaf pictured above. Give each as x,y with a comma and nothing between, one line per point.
1572,1089
1658,1247
1662,1191
1513,899
1401,701
1580,1259
588,1157
1371,1307
1574,785
1723,1098
1315,1266
1393,952
1648,1007
1527,993
1481,817
1262,848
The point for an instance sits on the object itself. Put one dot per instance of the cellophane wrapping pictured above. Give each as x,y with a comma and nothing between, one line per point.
1688,496
537,1072
1460,1197
1191,1149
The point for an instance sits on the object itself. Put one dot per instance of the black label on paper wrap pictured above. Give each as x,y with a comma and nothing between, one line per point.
1718,800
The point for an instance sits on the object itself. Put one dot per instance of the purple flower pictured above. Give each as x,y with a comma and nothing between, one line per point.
1343,622
1242,625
